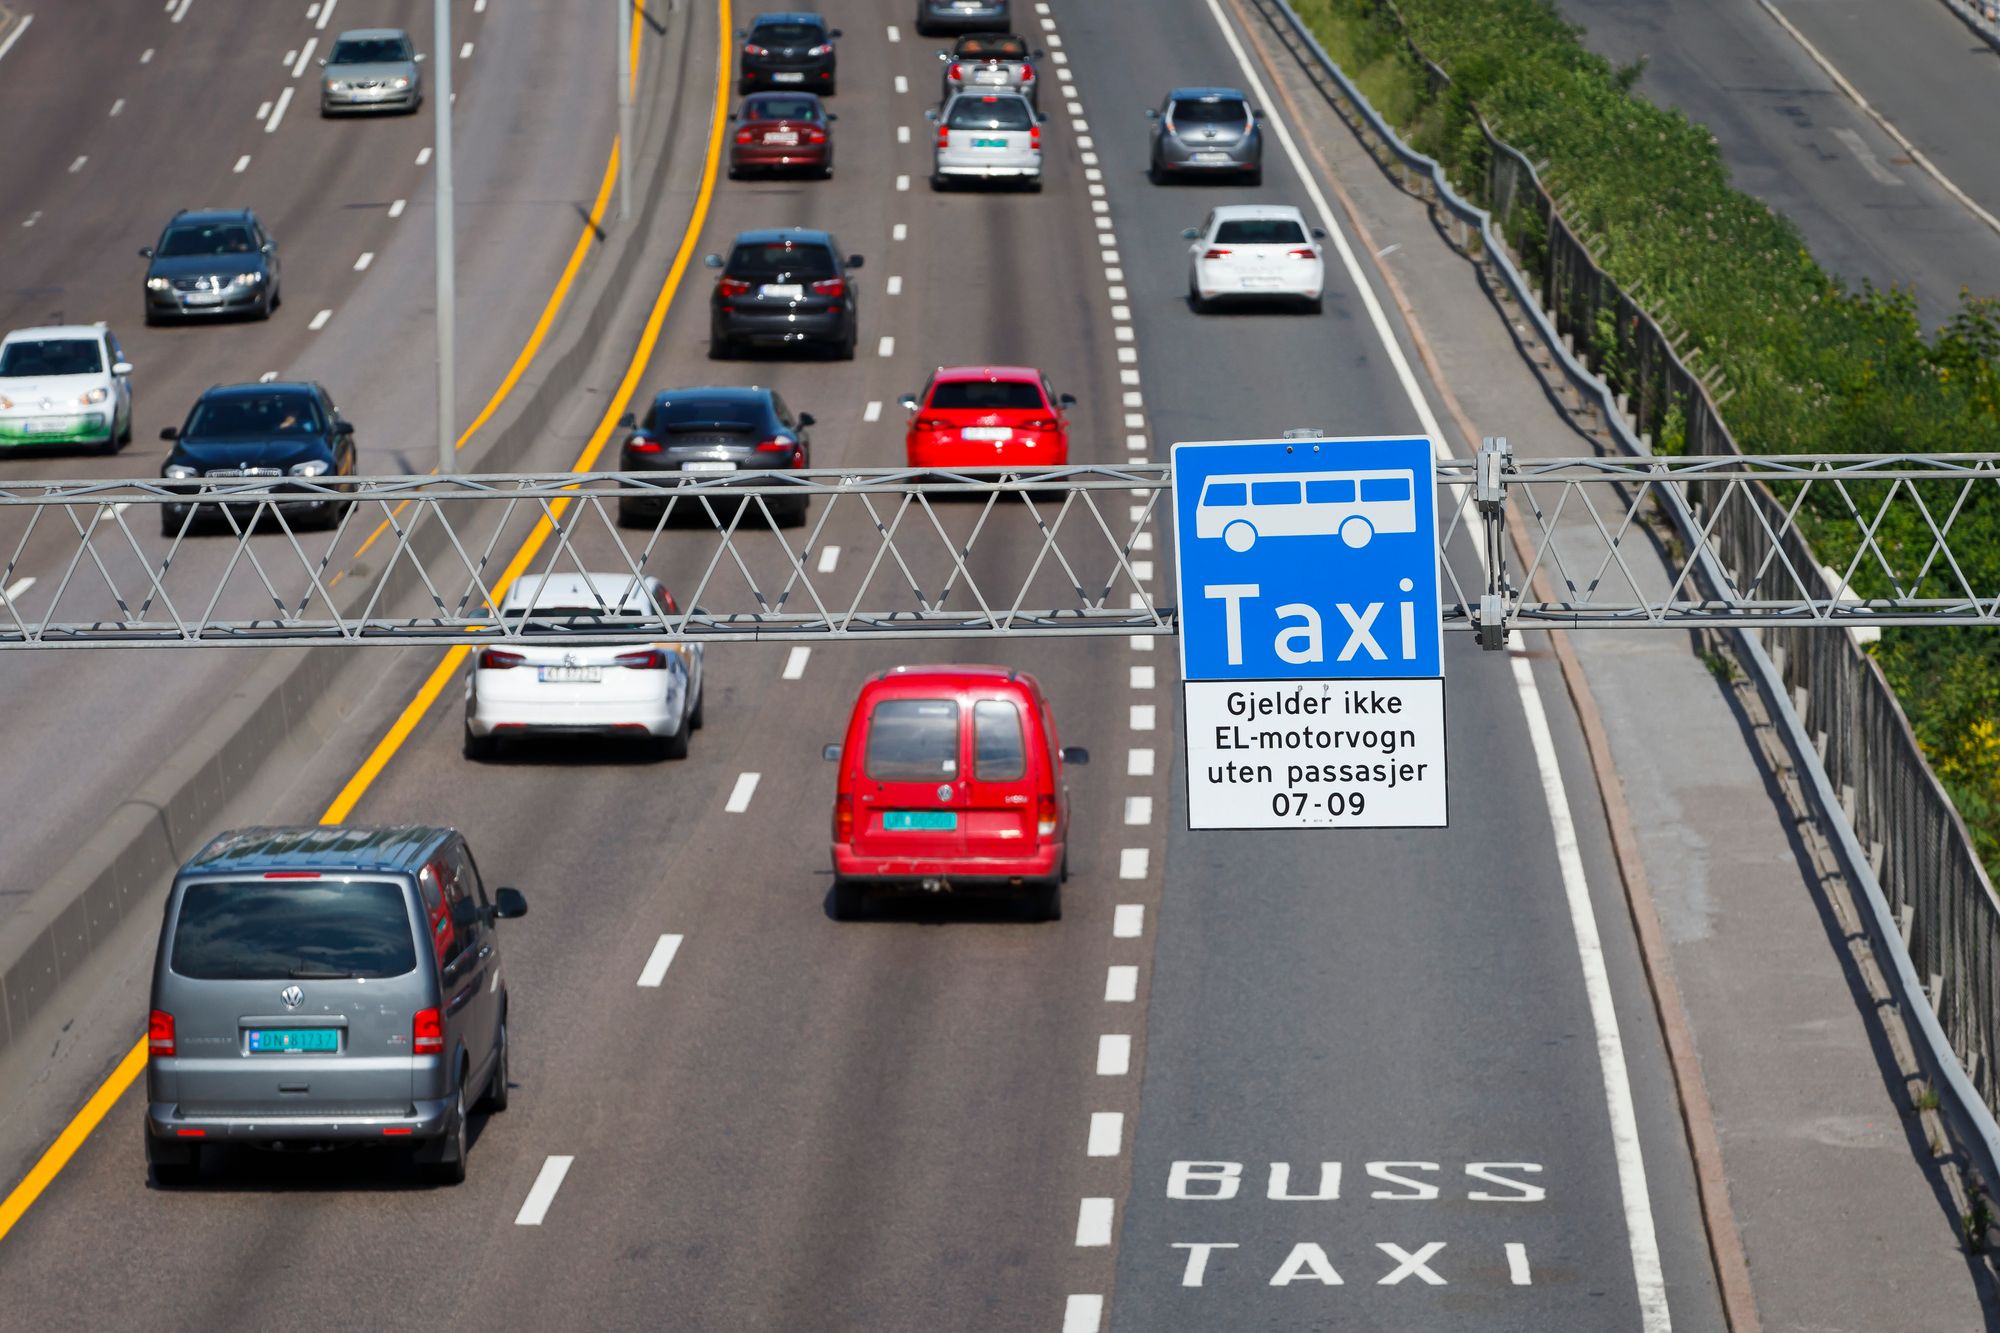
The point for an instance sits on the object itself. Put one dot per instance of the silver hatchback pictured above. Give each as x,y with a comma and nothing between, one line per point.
1206,132
371,69
987,136
323,985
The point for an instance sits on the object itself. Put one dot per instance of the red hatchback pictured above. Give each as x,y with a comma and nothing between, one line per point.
951,780
782,132
987,416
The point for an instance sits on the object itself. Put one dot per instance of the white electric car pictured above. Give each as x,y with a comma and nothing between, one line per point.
1255,252
649,691
65,384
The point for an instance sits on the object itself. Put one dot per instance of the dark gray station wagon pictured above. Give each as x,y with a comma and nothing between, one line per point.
319,986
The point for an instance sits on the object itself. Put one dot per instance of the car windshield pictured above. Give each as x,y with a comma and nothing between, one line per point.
369,51
782,108
1218,111
992,48
807,263
784,34
221,238
986,395
990,113
913,740
255,414
698,413
1260,231
259,930
50,356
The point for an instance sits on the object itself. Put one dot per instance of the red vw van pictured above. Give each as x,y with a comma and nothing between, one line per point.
951,781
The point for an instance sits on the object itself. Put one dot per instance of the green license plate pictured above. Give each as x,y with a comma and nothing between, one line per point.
914,821
989,143
267,1040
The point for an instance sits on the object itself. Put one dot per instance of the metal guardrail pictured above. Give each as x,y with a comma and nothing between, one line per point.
1900,839
1982,16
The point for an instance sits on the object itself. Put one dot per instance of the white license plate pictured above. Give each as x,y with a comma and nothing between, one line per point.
788,138
202,298
988,432
789,76
708,465
1211,157
571,675
781,291
1255,280
46,426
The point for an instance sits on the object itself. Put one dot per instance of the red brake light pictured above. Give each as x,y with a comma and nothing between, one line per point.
814,134
732,287
843,820
498,659
1215,252
291,874
650,659
931,423
831,287
1045,816
1035,137
957,71
1039,423
427,1033
751,49
944,136
774,446
744,135
642,444
160,1033
1027,72
1302,254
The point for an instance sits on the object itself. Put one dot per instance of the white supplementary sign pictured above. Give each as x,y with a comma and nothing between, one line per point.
1311,635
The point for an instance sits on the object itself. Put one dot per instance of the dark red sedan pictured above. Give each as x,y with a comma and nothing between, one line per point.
782,132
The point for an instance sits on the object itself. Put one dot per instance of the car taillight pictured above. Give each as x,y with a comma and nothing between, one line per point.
642,444
427,1033
931,423
815,135
944,136
745,135
651,659
1035,137
1027,72
160,1033
1215,252
774,446
498,659
843,820
1045,816
750,49
1302,254
831,287
957,71
732,287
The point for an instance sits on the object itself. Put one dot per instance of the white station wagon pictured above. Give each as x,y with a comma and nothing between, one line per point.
64,384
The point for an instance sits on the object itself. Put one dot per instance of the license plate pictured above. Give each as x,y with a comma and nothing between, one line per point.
988,432
919,821
1254,281
202,298
989,143
788,77
267,1041
989,76
705,465
1211,157
571,675
781,291
47,426
788,138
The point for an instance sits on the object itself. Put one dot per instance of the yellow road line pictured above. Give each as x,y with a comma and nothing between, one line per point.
85,1121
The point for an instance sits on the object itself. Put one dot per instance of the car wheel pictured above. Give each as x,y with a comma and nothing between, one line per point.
1034,184
494,1100
125,436
720,348
1048,904
450,1168
173,1166
674,746
697,719
1255,178
266,306
849,900
844,349
170,523
1315,306
939,184
1154,172
480,747
1195,301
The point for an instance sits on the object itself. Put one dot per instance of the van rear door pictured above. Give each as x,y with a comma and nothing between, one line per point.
909,787
1000,815
293,995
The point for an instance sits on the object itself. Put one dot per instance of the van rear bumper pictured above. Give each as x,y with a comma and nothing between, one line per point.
959,875
423,1120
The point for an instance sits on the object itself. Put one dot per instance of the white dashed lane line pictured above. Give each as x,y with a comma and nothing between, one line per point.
325,14
181,11
657,962
290,56
1121,984
242,164
1083,1314
361,264
899,232
829,557
1128,921
1138,809
396,208
903,183
465,52
22,27
1114,1055
77,165
267,377
1132,862
16,590
902,134
1093,1223
1107,1134
305,57
543,1192
117,106
263,110
886,347
1139,762
319,320
423,156
795,662
902,84
740,794
145,56
278,110
1142,717
872,412
895,34
895,284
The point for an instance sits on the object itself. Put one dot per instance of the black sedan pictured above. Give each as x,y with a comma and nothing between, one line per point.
275,430
722,432
792,51
783,287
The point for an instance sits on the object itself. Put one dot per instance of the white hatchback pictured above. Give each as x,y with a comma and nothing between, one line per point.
64,384
1255,252
650,692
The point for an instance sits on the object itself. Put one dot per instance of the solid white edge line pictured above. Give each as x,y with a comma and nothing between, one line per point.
1114,1054
22,27
795,662
1083,1314
740,794
657,962
1107,1132
543,1192
1603,1016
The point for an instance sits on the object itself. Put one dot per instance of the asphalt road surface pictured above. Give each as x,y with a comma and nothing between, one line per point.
940,1119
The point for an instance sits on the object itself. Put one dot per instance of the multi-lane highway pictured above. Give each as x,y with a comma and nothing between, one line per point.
1378,1080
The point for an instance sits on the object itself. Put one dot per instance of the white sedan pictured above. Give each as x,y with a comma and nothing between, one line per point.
650,692
65,384
1255,252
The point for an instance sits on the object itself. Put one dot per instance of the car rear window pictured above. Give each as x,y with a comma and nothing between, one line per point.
993,48
990,113
782,108
986,395
1205,111
999,751
692,412
255,414
369,51
1260,231
784,34
913,740
260,930
50,356
806,262
227,238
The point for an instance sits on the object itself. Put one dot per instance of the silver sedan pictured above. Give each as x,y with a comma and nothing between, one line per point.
371,69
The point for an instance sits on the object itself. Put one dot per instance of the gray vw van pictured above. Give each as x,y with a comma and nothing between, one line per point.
327,985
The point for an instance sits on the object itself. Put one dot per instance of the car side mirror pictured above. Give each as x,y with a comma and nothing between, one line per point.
732,115
266,248
509,904
1040,54
170,432
1152,113
1042,116
343,427
321,62
627,422
418,57
830,753
1319,233
854,261
1075,754
807,419
830,118
145,252
833,34
931,114
945,57
121,367
713,261
1256,114
908,402
1065,400
1191,233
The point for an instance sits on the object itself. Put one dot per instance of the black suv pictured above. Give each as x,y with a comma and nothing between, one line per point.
788,51
209,262
280,429
783,286
736,432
